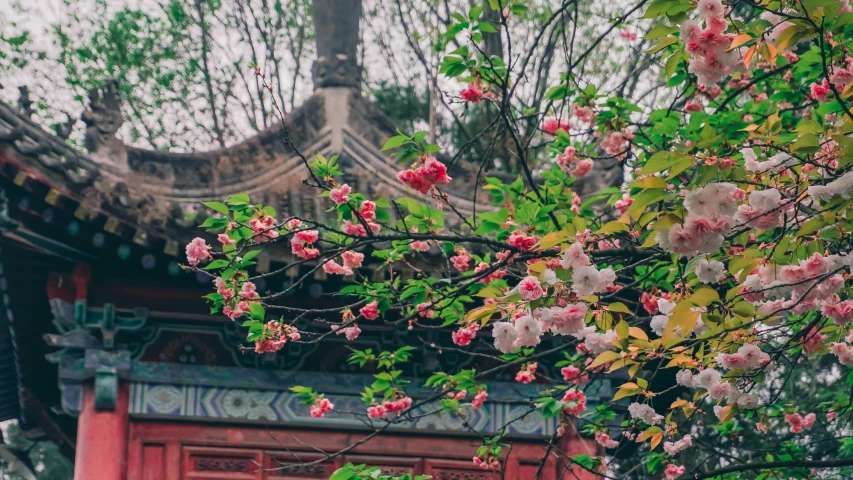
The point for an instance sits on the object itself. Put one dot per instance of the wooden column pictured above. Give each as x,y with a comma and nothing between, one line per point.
102,438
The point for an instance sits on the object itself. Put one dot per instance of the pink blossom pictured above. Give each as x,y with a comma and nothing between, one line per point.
269,345
197,250
225,240
844,353
432,172
614,142
294,223
425,309
496,275
472,94
693,106
673,471
352,259
550,125
398,406
464,335
248,291
307,236
575,402
530,289
623,204
333,268
419,245
341,194
671,448
376,411
527,331
603,439
521,241
798,422
841,77
628,35
351,333
584,114
262,226
732,361
841,312
320,407
813,340
222,288
435,172
820,91
583,167
355,229
479,399
461,260
414,180
572,374
370,311
367,210
526,374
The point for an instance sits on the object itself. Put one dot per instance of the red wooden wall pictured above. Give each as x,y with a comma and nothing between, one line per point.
173,451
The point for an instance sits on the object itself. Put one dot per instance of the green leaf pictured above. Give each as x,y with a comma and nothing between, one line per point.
661,43
343,473
239,199
250,255
487,27
660,30
672,64
216,264
217,207
658,162
396,141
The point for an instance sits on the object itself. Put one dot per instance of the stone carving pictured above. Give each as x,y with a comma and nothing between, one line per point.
24,102
336,23
63,130
311,471
206,464
103,119
454,475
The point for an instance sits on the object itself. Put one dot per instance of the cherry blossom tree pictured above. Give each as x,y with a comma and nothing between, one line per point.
711,288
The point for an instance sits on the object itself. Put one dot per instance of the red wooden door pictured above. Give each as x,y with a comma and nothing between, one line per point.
169,451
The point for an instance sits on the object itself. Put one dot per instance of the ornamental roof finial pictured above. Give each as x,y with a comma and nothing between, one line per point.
336,31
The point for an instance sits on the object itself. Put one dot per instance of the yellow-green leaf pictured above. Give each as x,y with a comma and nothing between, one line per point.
704,297
605,357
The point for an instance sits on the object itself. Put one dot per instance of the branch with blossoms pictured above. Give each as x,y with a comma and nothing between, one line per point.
709,286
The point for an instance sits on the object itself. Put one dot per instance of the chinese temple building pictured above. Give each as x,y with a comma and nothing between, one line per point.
108,349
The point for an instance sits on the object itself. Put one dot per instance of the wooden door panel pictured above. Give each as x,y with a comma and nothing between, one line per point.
396,466
206,463
292,466
457,470
154,461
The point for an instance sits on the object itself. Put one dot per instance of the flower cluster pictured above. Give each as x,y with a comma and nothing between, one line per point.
798,422
712,60
424,177
197,251
574,402
570,163
550,125
465,335
320,407
710,211
526,374
302,244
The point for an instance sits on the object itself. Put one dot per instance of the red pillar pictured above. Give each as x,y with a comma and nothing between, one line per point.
102,438
573,444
